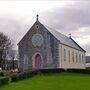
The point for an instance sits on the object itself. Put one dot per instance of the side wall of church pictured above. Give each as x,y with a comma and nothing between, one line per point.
70,57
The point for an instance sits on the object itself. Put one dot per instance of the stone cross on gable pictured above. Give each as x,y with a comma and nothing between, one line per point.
37,16
69,35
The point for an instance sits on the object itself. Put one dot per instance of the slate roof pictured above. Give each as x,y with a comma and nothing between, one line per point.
61,37
64,39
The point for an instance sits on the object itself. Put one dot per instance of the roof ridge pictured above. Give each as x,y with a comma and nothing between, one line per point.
55,30
59,36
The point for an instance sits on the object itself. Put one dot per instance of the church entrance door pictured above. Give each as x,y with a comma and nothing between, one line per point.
37,61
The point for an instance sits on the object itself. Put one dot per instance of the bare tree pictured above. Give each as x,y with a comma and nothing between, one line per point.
12,56
5,46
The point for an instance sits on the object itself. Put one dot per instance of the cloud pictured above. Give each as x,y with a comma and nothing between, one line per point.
73,18
12,27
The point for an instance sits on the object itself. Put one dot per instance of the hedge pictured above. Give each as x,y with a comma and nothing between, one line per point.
23,75
4,80
46,71
27,74
82,71
5,73
1,74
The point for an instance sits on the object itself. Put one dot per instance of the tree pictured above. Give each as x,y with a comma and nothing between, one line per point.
12,56
5,46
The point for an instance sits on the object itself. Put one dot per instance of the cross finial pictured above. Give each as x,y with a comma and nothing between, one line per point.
37,17
69,35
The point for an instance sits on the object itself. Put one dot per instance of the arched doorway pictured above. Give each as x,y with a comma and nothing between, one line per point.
37,61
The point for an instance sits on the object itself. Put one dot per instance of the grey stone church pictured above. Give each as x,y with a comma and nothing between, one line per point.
43,47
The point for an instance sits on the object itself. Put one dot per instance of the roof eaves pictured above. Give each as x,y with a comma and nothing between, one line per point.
77,45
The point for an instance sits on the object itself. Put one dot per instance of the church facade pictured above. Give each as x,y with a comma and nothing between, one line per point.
43,47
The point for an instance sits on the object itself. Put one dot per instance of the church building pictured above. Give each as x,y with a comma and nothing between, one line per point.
43,47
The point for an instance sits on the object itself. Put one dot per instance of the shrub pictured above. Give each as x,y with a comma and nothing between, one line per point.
4,73
14,77
1,73
4,80
46,71
28,74
23,75
83,71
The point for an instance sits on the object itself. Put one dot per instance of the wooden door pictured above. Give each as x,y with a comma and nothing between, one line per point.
37,61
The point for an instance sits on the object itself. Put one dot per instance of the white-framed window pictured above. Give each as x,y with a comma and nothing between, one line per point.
79,58
76,57
73,56
64,54
82,59
69,55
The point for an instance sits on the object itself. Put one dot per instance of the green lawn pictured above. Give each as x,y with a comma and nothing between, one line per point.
63,81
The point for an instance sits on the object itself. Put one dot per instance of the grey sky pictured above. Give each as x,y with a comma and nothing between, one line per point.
65,16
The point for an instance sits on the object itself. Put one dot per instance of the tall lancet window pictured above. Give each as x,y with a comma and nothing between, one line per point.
64,54
80,58
73,56
49,54
69,55
76,57
25,59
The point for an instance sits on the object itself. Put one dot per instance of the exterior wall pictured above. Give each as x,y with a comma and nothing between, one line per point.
48,50
68,62
26,48
52,51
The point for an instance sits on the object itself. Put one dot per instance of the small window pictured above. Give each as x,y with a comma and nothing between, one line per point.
36,26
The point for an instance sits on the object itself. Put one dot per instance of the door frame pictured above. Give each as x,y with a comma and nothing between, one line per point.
33,60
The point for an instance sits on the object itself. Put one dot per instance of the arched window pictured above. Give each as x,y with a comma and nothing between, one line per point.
25,59
79,58
69,55
73,56
76,57
82,59
64,54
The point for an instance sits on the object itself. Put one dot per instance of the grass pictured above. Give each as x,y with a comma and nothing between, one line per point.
60,81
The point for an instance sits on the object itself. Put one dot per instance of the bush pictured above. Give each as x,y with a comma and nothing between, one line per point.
23,75
14,77
46,71
1,73
28,74
4,73
4,80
